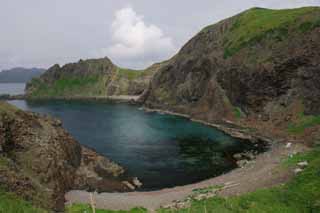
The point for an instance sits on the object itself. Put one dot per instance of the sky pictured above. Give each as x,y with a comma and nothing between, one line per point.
133,34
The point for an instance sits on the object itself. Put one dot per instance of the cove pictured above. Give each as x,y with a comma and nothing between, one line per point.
161,150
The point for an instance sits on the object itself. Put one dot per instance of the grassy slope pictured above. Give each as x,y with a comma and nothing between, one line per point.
10,203
256,24
129,73
88,86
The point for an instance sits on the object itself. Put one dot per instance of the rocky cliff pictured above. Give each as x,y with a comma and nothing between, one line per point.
90,78
40,161
260,68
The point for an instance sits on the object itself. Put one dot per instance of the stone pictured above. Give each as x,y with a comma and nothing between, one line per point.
303,164
136,182
249,155
129,185
237,156
298,170
242,163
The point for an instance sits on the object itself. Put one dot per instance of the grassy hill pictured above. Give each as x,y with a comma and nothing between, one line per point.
90,78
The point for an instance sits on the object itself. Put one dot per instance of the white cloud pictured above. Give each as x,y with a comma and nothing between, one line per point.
135,42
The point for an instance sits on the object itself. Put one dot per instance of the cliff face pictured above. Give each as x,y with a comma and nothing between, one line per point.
40,161
89,78
261,64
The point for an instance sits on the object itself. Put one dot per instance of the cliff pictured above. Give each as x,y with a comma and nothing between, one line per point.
260,69
89,78
40,161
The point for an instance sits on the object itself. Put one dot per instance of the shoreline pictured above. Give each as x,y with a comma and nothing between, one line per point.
228,127
266,171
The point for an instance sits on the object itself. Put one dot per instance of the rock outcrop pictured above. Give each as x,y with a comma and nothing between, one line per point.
40,161
259,66
89,79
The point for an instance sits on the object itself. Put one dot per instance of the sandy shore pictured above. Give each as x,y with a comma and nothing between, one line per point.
265,171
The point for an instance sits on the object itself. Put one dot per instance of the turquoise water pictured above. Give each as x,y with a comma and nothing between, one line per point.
12,88
161,150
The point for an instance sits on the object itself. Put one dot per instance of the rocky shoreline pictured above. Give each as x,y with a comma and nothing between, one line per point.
228,127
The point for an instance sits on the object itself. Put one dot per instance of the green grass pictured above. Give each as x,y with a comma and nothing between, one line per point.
68,85
302,194
82,208
10,203
129,73
237,113
309,25
257,24
303,123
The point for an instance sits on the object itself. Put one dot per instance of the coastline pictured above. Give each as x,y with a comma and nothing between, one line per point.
265,171
227,127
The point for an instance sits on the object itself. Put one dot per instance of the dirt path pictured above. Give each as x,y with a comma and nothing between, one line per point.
263,172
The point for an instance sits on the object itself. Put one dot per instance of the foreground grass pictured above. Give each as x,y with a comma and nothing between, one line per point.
82,208
10,203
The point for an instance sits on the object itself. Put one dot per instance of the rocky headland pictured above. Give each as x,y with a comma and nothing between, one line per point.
90,79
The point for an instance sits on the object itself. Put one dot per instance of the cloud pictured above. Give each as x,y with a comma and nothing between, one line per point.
134,40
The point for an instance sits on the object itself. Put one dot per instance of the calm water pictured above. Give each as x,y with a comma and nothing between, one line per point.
12,88
162,150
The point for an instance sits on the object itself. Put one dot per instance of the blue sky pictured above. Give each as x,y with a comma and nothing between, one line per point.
134,34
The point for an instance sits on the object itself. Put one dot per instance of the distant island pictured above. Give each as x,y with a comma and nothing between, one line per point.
20,75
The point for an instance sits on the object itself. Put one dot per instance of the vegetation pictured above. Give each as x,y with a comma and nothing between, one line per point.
302,194
68,85
82,208
129,73
238,113
303,122
256,24
10,203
